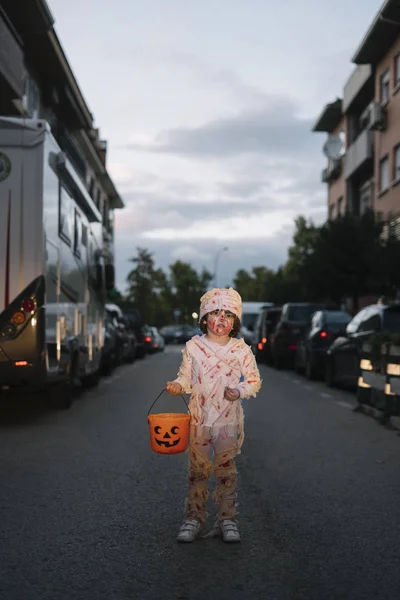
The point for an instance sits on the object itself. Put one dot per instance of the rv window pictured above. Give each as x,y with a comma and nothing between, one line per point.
77,234
84,235
66,216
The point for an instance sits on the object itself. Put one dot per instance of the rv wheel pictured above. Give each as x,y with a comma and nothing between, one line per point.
61,396
92,380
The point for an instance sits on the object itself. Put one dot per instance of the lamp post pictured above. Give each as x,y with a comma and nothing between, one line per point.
216,260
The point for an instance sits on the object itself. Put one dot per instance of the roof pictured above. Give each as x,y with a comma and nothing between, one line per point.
381,35
330,117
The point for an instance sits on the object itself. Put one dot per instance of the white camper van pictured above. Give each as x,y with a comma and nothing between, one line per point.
52,273
251,310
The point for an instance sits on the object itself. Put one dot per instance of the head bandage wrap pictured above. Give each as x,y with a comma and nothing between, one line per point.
221,299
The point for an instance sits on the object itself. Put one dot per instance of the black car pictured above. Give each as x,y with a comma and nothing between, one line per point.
135,324
325,326
179,334
293,321
344,355
263,332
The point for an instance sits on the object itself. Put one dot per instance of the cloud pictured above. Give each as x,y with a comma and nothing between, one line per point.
274,130
246,253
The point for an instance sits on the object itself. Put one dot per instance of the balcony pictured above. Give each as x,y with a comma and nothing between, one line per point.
359,153
359,87
332,171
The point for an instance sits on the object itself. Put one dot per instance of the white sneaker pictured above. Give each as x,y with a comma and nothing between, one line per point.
230,531
189,530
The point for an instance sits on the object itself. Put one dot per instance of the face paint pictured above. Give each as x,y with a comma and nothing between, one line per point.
219,324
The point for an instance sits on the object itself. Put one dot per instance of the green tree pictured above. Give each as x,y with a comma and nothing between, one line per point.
187,287
345,261
243,282
141,285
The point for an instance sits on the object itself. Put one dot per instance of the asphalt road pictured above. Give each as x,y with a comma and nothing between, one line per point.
89,512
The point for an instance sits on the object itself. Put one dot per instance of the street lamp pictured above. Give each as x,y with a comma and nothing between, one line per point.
217,256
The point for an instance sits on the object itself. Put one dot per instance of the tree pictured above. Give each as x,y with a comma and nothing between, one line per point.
187,287
296,273
243,282
345,260
141,285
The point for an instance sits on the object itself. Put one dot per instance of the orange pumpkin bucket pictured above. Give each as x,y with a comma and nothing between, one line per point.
169,432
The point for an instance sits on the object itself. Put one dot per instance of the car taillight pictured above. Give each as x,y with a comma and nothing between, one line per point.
324,334
292,347
18,318
264,340
260,346
29,305
147,339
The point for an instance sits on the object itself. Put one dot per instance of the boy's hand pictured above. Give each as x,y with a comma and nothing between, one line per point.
231,394
173,388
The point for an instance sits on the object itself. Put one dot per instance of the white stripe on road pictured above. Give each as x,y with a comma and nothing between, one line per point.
344,404
324,395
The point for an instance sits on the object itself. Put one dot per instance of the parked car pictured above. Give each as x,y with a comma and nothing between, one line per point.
109,350
344,355
291,325
325,326
263,332
250,313
147,334
125,346
158,343
135,322
179,334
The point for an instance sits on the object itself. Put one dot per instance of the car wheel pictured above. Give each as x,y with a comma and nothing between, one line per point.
297,368
330,374
310,371
60,396
92,380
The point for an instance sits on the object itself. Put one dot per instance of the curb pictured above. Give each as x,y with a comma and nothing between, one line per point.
378,415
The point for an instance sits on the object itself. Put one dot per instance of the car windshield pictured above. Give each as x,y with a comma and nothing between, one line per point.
337,317
301,313
391,319
249,319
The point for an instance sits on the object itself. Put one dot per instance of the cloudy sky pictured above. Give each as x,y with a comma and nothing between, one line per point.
207,108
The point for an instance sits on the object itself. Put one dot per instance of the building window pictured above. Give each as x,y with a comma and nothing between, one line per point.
332,212
384,174
397,70
66,216
340,207
396,163
84,235
77,234
98,199
365,197
31,99
384,84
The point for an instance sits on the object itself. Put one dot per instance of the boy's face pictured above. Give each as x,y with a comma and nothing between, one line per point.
220,322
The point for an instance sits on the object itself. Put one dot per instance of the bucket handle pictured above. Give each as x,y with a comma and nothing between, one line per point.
160,394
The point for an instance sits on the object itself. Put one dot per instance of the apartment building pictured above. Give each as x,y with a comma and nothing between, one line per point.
36,81
363,126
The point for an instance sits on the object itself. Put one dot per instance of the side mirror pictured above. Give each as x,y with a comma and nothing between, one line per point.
109,272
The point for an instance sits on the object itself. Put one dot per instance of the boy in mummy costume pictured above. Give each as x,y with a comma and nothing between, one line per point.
218,370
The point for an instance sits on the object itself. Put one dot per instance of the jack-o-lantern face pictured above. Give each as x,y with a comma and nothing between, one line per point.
167,439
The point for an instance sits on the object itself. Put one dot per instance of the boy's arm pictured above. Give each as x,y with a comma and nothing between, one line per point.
185,372
252,382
